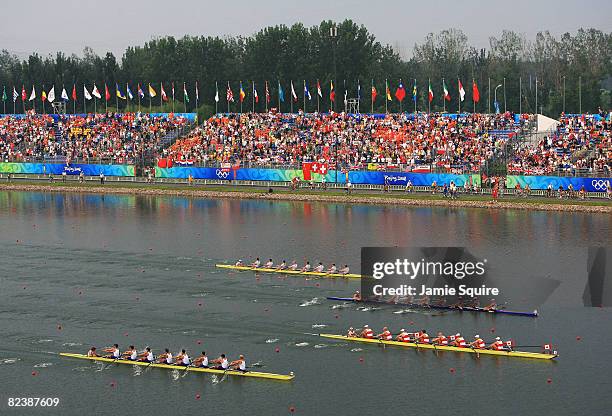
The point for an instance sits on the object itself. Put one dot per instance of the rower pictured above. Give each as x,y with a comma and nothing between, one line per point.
92,352
319,268
239,364
183,359
344,270
165,358
385,335
423,337
306,267
282,266
131,354
294,265
440,339
403,336
367,332
459,341
333,269
478,343
147,356
497,345
114,352
256,263
351,333
222,361
201,361
357,296
269,264
239,263
491,306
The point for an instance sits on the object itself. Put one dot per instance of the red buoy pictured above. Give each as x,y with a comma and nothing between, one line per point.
360,359
292,409
59,327
578,338
452,370
197,397
549,380
34,373
277,349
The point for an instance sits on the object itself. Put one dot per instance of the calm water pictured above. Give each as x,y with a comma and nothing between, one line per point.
81,270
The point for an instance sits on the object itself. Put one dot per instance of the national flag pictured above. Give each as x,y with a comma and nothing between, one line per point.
241,93
4,96
447,96
129,91
217,92
86,93
119,93
32,95
141,93
306,92
281,93
388,91
267,93
23,93
172,90
320,168
461,91
345,97
475,92
332,93
230,94
430,93
374,93
164,97
51,96
152,92
358,91
95,92
255,95
107,95
74,94
319,92
197,92
65,94
43,95
400,92
414,92
185,95
15,94
293,94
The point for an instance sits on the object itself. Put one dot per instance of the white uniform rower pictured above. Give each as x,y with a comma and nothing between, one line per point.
183,358
239,263
293,266
256,263
131,354
114,351
344,270
319,268
269,264
282,266
92,352
333,269
306,267
166,357
351,333
201,361
222,362
147,355
239,364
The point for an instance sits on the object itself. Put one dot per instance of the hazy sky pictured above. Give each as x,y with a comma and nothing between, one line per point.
70,25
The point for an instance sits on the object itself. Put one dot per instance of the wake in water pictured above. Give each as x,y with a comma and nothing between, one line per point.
313,301
321,346
319,325
43,365
9,361
302,344
341,306
271,340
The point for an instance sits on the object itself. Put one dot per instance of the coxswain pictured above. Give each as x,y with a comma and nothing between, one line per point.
440,339
282,266
333,269
478,343
165,358
423,337
239,263
182,358
256,263
306,267
385,335
201,361
92,352
294,265
367,332
344,270
459,341
147,355
357,296
269,264
113,351
403,336
319,268
239,364
491,306
222,362
497,345
351,333
131,354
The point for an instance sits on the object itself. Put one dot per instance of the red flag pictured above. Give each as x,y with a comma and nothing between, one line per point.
374,93
306,170
74,96
332,93
475,92
320,168
106,92
163,93
23,93
400,92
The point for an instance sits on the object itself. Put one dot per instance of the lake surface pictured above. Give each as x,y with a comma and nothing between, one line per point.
81,270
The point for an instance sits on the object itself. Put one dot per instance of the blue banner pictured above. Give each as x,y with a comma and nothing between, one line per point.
70,169
542,182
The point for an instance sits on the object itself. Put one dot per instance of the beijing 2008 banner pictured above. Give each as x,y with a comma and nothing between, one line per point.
592,184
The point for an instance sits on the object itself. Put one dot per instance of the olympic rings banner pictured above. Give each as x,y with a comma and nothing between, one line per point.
542,182
70,169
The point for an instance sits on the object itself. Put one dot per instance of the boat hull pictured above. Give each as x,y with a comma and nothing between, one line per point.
290,272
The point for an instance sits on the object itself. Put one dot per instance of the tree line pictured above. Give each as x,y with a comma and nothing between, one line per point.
571,73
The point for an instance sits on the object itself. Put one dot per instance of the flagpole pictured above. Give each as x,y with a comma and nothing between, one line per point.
217,95
415,96
318,86
150,99
428,100
266,92
386,93
371,98
116,97
489,98
161,97
185,96
279,101
173,96
197,96
304,92
505,95
84,103
253,95
473,100
520,95
138,93
228,102
459,92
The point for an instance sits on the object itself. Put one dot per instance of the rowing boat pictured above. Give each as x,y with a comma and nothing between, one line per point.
256,374
285,271
533,314
518,354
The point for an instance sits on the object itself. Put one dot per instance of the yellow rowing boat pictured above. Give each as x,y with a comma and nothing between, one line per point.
285,271
256,374
517,354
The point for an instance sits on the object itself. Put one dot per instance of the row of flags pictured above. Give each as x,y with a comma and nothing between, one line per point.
125,94
400,92
95,92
